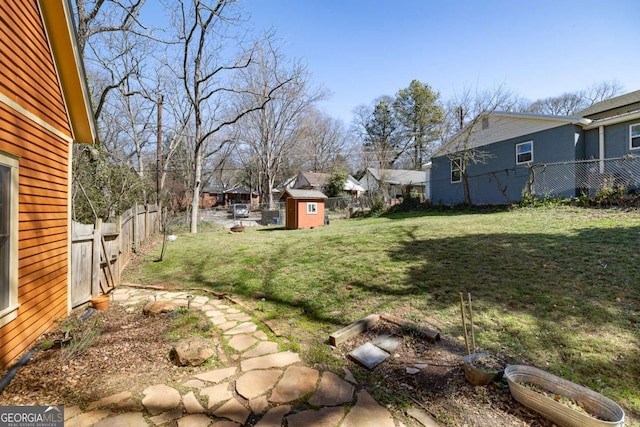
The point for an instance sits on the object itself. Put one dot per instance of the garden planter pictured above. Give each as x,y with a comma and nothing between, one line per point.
476,373
599,411
100,302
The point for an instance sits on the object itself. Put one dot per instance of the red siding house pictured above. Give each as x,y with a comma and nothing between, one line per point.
44,109
304,208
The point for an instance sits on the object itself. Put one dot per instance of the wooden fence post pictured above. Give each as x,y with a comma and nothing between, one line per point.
95,261
135,227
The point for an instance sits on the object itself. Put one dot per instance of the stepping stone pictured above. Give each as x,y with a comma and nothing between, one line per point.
165,417
217,375
332,391
71,412
368,413
128,406
193,383
200,300
218,320
349,376
242,342
421,365
261,335
296,382
214,313
227,325
243,328
88,418
422,417
387,343
276,360
254,383
325,417
369,355
216,394
233,311
274,417
132,419
225,424
160,398
191,404
259,404
234,411
199,420
265,347
412,371
240,317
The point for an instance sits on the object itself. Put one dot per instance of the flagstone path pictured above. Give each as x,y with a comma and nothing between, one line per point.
260,387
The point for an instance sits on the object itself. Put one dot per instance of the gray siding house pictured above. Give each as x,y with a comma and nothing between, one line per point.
496,151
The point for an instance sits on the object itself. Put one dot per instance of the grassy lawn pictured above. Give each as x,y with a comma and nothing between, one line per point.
558,288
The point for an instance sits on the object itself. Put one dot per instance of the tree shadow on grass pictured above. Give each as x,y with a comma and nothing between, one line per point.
567,300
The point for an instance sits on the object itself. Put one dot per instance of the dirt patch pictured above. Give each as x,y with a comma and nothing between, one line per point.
129,353
439,385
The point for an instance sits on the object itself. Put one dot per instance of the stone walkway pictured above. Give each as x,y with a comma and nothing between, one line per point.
259,387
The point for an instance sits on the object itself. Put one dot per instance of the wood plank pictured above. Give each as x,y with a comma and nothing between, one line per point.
353,329
430,334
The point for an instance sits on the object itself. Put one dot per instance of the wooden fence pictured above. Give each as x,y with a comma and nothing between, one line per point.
100,251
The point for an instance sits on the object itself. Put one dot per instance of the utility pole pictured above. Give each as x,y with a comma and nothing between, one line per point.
159,165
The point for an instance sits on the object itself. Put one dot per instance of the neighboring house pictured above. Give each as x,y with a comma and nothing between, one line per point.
497,151
241,195
211,197
44,109
304,208
319,181
394,183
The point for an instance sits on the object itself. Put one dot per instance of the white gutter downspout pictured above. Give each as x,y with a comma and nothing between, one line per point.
601,147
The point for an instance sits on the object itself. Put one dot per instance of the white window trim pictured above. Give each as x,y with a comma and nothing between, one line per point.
312,208
457,160
528,161
631,137
10,312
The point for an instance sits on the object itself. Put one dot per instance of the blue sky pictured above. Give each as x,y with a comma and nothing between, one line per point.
362,49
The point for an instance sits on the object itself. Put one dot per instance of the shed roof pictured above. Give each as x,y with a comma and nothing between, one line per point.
305,194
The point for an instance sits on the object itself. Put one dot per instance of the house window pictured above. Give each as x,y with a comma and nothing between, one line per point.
634,136
524,152
456,169
312,208
8,238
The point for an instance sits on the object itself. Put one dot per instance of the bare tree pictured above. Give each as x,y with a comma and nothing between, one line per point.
322,143
268,135
470,109
212,50
570,103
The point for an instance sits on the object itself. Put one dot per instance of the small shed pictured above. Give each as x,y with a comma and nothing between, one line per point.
305,208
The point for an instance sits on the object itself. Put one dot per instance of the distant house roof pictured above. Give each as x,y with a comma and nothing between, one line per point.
612,103
213,190
305,194
398,176
238,190
318,180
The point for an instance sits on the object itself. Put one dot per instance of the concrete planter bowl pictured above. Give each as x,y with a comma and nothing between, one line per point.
600,411
479,376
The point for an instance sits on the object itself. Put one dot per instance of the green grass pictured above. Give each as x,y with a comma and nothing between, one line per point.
558,288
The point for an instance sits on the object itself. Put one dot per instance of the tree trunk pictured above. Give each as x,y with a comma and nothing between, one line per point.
195,203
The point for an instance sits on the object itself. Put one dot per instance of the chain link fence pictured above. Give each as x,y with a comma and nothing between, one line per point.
584,178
